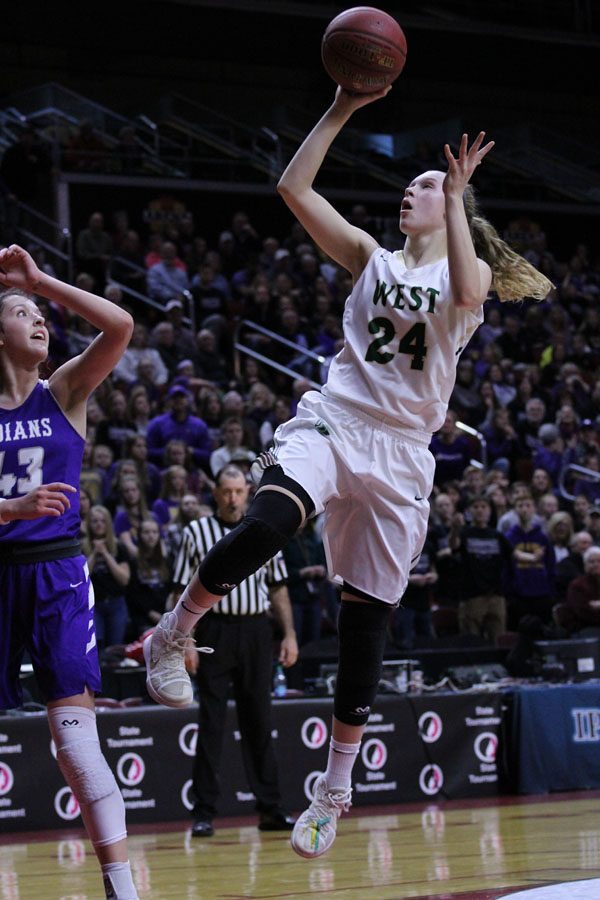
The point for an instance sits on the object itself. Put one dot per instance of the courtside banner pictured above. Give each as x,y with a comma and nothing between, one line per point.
414,748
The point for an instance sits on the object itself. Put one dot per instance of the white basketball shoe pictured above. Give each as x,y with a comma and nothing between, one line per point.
314,831
167,680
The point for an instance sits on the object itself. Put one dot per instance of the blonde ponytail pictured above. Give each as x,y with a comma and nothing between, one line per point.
513,278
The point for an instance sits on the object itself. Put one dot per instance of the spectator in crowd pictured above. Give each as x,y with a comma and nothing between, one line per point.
148,475
540,484
549,455
210,410
307,569
177,453
560,532
85,505
511,341
138,409
472,484
498,498
442,522
506,521
210,364
528,426
281,413
210,300
501,438
451,450
504,391
128,266
92,479
174,487
130,512
116,428
139,350
166,279
150,581
583,596
484,555
163,340
94,248
188,510
233,444
240,631
261,401
466,397
571,566
116,474
102,460
184,336
581,512
179,423
532,577
233,405
546,507
109,573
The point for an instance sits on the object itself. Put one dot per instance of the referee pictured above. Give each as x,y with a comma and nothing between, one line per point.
240,631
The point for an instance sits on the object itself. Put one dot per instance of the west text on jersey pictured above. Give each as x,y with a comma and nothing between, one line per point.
401,296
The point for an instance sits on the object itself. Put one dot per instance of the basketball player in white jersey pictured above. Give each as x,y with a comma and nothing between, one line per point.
359,449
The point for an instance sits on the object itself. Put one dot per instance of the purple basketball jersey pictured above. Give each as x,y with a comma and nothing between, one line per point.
38,445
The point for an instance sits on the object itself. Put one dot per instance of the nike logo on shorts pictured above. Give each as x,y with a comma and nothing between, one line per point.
76,585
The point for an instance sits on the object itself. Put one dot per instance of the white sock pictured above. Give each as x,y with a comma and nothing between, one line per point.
338,774
118,883
188,613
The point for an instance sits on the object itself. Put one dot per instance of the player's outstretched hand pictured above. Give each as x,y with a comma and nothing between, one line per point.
461,169
17,269
347,102
45,500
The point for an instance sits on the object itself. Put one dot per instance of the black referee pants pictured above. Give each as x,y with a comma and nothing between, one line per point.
243,657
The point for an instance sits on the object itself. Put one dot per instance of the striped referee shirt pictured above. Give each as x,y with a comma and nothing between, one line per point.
249,598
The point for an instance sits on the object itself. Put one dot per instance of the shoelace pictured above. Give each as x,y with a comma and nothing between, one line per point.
341,802
179,645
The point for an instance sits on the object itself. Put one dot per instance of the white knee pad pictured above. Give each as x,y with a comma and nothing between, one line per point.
80,759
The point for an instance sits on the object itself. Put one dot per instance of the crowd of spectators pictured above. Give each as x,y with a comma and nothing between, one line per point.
505,539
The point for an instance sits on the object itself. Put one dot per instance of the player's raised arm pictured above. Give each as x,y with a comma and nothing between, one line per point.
470,278
74,381
348,245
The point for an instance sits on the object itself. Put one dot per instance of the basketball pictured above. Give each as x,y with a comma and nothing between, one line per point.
363,49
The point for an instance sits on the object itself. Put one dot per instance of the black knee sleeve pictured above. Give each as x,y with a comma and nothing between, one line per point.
272,520
362,631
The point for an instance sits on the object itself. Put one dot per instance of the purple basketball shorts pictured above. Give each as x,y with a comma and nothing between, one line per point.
47,609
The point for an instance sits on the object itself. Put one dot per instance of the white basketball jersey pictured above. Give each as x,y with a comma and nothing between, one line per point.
403,337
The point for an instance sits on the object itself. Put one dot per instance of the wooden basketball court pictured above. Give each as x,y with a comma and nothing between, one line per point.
477,850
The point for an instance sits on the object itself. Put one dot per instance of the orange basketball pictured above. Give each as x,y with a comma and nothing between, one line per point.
363,49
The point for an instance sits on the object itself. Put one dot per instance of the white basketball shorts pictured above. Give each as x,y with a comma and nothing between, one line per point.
373,480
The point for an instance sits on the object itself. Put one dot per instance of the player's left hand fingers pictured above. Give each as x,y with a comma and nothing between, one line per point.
45,506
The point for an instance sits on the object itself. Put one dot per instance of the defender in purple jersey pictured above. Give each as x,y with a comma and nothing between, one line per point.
46,598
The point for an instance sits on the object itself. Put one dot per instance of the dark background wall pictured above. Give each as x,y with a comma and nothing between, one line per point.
126,54
253,60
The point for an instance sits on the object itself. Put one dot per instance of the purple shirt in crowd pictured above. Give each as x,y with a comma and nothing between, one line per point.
193,431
